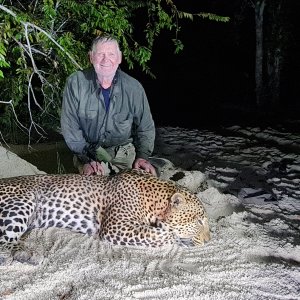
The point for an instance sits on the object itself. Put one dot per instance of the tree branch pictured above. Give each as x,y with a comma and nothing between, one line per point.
30,51
26,24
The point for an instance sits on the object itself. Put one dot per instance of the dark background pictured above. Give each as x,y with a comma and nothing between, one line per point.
212,81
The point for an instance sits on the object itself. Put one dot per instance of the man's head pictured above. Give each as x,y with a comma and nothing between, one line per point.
105,55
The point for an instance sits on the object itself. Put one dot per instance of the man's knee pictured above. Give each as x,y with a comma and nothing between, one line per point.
125,156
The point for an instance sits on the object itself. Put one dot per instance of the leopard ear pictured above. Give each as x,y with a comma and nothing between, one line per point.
177,200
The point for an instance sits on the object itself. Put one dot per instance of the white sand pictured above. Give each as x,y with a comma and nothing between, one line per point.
254,253
12,165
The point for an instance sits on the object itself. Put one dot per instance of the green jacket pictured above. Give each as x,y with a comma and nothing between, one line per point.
86,125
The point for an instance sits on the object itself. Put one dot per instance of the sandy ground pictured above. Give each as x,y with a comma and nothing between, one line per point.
12,165
254,252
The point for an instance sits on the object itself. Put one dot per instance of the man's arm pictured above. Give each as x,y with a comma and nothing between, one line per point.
144,135
70,127
144,130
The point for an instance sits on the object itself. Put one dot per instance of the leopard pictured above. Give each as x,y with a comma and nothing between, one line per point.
131,208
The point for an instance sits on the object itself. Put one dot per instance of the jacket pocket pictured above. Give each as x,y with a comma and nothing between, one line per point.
88,114
122,124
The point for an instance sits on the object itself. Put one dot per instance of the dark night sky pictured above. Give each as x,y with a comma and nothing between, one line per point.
212,80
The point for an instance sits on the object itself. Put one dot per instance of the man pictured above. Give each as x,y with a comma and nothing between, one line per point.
106,119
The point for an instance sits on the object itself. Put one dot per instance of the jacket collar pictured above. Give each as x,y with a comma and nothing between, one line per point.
95,85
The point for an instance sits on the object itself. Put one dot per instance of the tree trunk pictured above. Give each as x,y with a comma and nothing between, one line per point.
276,43
259,86
274,68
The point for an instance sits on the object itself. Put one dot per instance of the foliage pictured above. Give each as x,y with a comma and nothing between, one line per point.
43,41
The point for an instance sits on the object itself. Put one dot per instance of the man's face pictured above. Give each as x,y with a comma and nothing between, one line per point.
106,58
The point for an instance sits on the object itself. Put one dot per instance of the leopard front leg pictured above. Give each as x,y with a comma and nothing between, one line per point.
133,233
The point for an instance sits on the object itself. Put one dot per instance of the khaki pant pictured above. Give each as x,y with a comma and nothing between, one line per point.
122,158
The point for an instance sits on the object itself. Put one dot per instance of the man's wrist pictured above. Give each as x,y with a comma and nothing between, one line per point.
83,159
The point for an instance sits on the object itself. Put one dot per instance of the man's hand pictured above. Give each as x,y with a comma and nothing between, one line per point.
93,168
144,164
